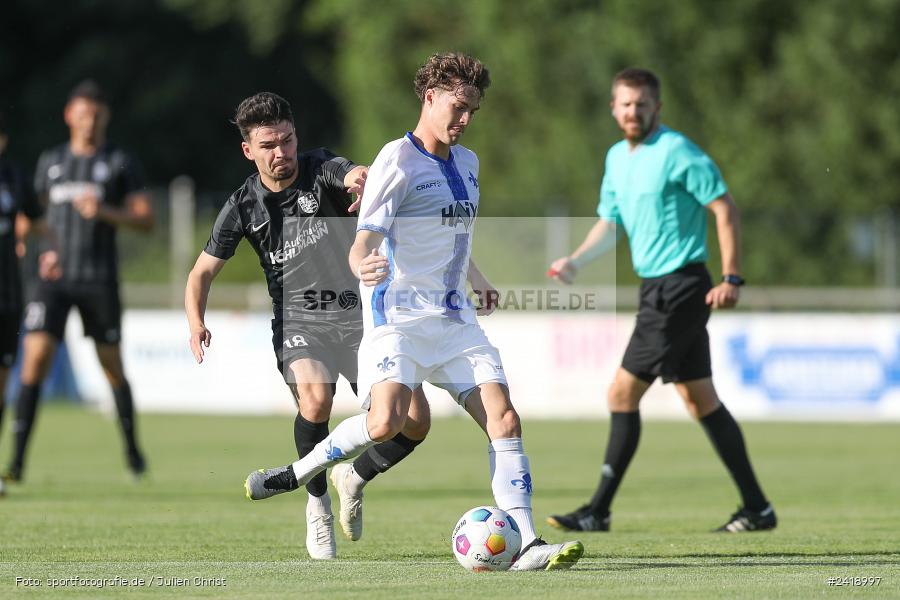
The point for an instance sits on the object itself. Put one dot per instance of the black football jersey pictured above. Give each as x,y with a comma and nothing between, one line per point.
87,247
302,236
16,196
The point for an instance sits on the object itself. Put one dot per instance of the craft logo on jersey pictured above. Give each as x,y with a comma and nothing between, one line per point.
428,186
459,212
473,179
308,202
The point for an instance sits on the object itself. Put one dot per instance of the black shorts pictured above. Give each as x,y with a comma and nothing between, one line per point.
9,338
670,338
333,343
98,304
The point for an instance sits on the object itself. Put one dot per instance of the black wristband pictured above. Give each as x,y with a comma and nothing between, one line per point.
733,279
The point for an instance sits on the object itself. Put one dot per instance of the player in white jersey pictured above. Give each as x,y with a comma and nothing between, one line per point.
412,256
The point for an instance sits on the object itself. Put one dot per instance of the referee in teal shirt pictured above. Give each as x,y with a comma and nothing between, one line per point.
658,187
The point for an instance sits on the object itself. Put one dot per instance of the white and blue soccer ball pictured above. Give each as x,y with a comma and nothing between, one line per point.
486,538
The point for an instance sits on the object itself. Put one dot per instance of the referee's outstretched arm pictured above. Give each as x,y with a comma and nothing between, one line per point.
602,237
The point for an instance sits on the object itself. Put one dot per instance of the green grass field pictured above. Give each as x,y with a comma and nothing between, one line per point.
835,487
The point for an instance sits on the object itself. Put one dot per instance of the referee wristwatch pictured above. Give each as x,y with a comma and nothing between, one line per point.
734,280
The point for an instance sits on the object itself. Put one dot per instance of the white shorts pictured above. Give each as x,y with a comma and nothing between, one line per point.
454,356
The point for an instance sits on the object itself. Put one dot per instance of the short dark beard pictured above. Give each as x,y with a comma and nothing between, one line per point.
283,177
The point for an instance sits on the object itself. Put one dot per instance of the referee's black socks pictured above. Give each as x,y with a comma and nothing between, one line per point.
725,435
306,435
624,435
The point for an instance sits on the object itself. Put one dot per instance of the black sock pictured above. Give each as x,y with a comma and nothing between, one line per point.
125,409
624,434
306,435
381,457
725,435
26,409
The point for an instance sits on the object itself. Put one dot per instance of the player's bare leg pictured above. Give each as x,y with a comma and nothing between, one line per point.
350,479
110,357
489,404
314,395
756,513
38,348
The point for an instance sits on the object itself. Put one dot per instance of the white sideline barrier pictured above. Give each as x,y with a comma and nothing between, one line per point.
767,366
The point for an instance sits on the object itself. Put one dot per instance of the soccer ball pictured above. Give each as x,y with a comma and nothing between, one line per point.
486,539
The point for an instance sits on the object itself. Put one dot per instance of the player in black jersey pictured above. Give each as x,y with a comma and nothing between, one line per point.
16,200
294,212
90,188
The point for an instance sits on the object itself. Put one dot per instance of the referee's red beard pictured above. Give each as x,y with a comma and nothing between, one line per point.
637,130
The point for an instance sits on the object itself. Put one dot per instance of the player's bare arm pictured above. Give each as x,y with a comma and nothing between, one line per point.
355,183
196,294
728,230
370,267
488,295
137,213
601,238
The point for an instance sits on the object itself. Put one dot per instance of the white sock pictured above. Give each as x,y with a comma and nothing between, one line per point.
355,482
319,505
525,521
350,438
511,483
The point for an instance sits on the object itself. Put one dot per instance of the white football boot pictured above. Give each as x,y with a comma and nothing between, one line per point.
351,501
320,531
541,556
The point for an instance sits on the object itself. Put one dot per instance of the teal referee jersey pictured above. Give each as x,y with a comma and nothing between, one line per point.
658,193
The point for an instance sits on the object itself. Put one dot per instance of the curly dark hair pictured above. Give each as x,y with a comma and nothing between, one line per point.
450,71
264,108
637,78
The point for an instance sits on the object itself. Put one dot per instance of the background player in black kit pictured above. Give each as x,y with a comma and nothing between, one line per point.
90,188
16,199
294,212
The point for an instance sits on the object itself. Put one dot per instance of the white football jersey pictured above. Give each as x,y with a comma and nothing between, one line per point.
425,207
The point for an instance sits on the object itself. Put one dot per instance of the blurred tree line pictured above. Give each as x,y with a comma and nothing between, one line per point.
794,100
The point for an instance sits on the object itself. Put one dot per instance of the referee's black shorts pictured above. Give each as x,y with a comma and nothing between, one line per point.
670,338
